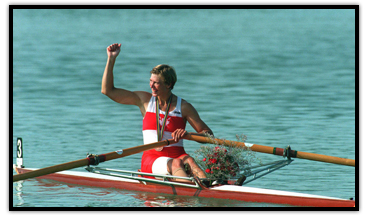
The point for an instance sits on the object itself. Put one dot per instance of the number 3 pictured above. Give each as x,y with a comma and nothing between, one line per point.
19,148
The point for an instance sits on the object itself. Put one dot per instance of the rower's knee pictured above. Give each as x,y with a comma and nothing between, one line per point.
175,164
189,160
194,168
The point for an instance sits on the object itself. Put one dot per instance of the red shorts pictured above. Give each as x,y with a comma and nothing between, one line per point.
150,156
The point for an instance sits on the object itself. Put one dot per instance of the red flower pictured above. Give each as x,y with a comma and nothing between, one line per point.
204,159
208,170
213,160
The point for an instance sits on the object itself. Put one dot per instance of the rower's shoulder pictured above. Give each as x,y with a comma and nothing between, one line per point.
186,106
144,96
184,102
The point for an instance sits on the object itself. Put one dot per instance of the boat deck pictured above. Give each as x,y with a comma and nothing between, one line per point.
242,193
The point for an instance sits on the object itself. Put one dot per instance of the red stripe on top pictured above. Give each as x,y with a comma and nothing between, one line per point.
172,122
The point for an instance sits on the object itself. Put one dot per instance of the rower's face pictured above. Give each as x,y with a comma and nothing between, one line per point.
157,84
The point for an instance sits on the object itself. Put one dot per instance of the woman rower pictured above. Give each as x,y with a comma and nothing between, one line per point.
169,123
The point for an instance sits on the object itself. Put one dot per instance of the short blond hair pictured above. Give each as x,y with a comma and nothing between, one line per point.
167,72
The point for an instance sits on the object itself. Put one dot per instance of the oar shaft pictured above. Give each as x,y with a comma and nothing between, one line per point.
51,169
326,158
271,150
204,139
89,161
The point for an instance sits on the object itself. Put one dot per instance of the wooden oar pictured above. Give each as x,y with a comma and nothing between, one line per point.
271,150
91,160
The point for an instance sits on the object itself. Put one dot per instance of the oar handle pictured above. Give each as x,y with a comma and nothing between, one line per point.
91,160
270,150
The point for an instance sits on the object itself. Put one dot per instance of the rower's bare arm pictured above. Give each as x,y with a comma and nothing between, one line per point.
120,95
194,119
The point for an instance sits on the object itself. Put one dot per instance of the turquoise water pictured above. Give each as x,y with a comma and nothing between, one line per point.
281,77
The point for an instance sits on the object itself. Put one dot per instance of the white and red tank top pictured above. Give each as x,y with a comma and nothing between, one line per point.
174,121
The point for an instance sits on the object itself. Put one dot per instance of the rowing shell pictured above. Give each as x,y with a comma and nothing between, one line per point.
241,193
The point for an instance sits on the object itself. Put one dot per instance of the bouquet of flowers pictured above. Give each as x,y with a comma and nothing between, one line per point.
219,162
222,163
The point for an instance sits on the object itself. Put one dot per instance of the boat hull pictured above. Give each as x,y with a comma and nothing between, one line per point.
241,193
